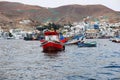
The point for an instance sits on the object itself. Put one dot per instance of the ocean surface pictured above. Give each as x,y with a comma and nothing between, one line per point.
24,60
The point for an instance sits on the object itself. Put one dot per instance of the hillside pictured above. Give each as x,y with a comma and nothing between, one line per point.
19,11
13,12
78,12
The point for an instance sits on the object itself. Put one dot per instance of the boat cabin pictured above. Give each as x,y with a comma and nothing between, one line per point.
51,36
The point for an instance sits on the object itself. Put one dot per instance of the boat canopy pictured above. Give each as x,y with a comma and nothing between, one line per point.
50,33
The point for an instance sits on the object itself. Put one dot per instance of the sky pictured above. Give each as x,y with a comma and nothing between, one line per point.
113,4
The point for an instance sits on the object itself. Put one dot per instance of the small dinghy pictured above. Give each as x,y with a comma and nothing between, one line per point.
87,44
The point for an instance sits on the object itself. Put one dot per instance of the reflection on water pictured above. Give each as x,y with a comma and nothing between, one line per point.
53,54
24,60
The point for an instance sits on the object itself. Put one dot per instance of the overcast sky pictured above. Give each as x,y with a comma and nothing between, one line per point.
113,4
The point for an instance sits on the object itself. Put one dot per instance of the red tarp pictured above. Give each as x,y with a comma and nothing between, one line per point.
51,33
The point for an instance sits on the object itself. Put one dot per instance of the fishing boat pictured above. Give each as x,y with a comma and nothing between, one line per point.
17,33
115,39
52,42
87,44
62,38
75,39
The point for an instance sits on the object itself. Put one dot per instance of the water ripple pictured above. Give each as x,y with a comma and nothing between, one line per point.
113,66
25,60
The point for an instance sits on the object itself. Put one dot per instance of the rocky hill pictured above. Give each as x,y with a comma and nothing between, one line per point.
78,12
14,12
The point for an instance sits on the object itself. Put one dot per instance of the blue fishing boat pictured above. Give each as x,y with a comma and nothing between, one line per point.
75,39
62,38
87,44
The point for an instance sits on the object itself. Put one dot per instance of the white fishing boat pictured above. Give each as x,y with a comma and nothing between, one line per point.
116,39
18,33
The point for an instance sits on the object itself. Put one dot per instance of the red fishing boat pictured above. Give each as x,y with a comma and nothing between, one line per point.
52,42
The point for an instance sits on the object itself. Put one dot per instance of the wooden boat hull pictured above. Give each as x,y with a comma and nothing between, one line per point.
52,46
91,44
75,39
72,42
116,41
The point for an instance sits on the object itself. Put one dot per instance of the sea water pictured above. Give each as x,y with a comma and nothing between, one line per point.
24,60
